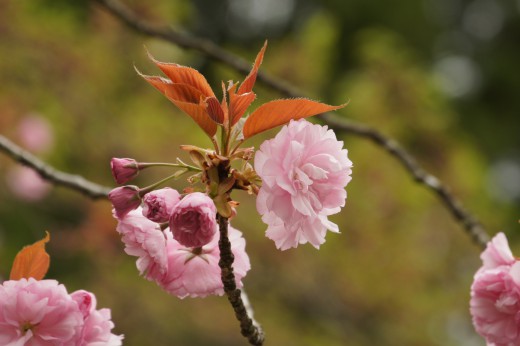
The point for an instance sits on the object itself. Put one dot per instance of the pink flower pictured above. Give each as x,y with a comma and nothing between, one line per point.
495,295
304,171
144,239
159,204
124,170
35,133
193,221
195,272
37,313
124,199
26,184
97,323
497,253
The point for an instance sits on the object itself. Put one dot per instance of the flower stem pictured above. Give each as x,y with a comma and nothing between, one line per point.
143,165
248,328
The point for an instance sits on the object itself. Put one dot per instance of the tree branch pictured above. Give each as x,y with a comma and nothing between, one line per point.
471,225
71,181
474,229
248,327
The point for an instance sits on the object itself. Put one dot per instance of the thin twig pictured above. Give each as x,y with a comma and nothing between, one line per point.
472,226
248,327
48,173
420,175
184,40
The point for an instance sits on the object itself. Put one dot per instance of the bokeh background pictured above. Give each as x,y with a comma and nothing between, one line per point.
440,76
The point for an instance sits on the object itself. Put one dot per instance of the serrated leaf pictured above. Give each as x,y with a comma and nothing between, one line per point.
179,74
32,261
250,80
278,112
214,109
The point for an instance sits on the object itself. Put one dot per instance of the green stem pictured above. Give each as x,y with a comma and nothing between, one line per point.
143,165
147,189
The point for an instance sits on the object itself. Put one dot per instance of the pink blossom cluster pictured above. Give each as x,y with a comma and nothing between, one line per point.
42,313
181,270
304,171
495,295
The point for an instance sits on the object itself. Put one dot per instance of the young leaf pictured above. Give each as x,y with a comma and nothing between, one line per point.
31,261
279,112
215,110
250,80
179,74
198,113
238,104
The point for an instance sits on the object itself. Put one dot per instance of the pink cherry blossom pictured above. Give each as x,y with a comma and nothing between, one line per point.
26,184
37,313
97,324
497,253
304,171
144,239
495,295
124,199
124,170
158,205
196,273
35,133
193,221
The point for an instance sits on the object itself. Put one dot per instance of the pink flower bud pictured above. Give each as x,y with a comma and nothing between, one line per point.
193,221
159,204
124,170
124,199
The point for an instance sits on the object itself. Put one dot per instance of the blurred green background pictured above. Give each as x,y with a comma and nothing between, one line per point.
440,76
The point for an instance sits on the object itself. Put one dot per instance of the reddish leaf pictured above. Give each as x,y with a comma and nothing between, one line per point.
238,104
250,80
214,109
197,111
224,104
279,112
31,261
179,92
184,75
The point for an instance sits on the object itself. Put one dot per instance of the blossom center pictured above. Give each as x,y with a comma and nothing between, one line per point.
25,327
300,181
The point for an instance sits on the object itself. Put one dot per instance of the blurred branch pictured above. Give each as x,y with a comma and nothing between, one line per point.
471,225
476,231
50,174
184,40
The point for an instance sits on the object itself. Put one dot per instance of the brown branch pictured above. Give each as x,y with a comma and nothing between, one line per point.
50,174
184,40
248,327
469,222
421,176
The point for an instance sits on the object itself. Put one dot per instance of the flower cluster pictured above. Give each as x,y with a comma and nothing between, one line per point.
180,270
299,177
495,295
43,313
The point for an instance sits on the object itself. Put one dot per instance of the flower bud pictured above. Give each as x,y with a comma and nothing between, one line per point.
193,221
159,204
124,199
124,170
